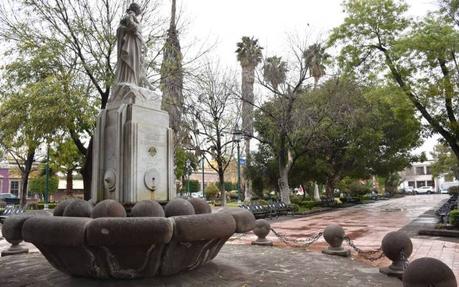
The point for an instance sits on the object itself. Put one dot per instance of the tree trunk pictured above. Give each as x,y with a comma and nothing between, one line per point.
283,185
248,79
25,176
221,179
69,184
316,192
248,183
86,172
330,185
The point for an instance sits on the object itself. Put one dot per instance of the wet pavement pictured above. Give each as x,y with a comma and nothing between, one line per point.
235,265
367,224
241,265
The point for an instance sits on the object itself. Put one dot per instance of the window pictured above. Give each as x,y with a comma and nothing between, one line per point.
14,187
411,183
420,183
428,170
430,183
420,170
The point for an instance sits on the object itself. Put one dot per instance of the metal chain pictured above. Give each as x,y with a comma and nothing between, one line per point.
367,254
294,242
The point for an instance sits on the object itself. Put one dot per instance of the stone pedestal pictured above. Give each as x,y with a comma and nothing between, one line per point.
133,148
339,251
14,249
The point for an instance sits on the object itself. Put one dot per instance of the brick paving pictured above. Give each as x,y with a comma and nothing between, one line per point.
367,224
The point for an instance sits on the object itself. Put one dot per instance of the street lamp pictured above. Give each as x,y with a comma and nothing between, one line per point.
188,172
46,180
237,136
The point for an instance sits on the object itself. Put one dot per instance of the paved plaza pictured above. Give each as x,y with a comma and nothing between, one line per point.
239,264
367,224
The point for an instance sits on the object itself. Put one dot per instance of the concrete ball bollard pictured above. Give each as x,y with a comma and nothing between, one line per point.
262,228
147,208
334,236
178,207
428,271
392,245
108,208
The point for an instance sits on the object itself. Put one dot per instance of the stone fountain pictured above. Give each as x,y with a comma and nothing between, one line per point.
132,170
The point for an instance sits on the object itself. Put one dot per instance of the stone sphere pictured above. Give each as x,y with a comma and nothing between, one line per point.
59,210
200,205
262,228
393,243
179,206
334,235
108,208
428,272
78,208
147,208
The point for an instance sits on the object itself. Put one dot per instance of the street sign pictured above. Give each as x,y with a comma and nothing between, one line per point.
242,161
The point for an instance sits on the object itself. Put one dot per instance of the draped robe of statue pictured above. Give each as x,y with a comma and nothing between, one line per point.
130,43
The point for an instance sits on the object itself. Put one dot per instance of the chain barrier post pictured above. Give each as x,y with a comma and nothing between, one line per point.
334,235
397,246
262,228
438,273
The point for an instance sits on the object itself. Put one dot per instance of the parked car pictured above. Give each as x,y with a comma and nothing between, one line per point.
424,189
9,198
407,190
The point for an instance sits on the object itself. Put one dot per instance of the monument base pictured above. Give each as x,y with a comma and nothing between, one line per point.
133,149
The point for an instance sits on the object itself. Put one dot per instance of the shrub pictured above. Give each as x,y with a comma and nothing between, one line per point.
233,194
51,205
194,185
453,190
308,204
358,189
454,217
212,191
294,207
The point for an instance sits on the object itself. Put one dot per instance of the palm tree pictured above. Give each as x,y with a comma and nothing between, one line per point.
249,55
274,71
314,58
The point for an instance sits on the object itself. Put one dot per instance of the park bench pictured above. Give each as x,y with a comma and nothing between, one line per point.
9,211
271,210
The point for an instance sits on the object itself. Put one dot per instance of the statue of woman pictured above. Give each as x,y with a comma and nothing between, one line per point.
130,45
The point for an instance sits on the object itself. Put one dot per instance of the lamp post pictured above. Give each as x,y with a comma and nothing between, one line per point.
202,167
187,170
46,180
237,134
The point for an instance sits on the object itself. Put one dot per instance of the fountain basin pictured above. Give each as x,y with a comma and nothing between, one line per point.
129,247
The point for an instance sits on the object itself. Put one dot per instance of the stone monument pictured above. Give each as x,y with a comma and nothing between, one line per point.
133,144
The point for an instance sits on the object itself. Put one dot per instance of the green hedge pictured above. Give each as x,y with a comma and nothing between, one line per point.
51,205
454,217
453,190
308,204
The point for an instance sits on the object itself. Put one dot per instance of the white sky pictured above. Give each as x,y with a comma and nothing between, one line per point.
224,22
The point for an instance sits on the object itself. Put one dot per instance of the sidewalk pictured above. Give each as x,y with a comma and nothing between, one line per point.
367,224
236,265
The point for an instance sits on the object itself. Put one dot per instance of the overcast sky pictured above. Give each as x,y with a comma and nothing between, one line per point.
224,22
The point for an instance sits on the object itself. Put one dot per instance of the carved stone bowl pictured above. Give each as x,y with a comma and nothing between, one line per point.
128,247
